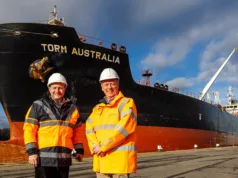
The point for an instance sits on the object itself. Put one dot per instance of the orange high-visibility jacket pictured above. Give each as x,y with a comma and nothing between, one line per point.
113,127
53,132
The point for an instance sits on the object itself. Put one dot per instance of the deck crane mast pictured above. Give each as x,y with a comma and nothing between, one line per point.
207,87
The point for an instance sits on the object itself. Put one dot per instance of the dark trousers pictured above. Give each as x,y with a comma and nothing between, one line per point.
51,172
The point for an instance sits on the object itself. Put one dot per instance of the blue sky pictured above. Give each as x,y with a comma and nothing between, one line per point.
183,42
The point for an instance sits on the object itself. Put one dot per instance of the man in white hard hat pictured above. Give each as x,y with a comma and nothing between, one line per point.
111,130
52,129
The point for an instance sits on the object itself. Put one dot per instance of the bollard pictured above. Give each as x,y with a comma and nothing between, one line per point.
195,146
159,147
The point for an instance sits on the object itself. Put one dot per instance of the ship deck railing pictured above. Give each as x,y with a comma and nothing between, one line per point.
185,93
102,43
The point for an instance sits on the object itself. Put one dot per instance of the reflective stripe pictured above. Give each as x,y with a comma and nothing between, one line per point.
122,104
89,120
54,123
52,117
30,145
122,130
89,131
32,121
71,110
112,126
79,145
105,127
134,116
55,155
125,148
129,111
47,110
78,125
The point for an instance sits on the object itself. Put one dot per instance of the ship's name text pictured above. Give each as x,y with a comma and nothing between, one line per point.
81,52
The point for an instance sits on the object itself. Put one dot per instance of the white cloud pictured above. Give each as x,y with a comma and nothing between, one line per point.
79,14
217,30
167,53
211,60
180,82
153,11
174,49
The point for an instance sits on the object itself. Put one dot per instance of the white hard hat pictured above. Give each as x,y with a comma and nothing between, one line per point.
57,78
108,73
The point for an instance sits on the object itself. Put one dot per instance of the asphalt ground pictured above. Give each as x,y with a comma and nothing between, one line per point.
221,162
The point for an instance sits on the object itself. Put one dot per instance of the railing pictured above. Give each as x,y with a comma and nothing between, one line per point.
182,92
187,93
102,43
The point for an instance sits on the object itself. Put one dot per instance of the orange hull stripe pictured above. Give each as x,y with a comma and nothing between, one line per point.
148,139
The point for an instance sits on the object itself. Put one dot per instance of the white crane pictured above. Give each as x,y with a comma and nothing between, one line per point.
206,88
230,95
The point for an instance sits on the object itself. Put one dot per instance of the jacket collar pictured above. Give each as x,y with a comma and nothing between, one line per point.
103,101
47,97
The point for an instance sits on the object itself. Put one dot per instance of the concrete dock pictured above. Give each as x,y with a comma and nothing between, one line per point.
219,162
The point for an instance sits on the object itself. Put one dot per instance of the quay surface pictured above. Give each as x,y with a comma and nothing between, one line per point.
221,162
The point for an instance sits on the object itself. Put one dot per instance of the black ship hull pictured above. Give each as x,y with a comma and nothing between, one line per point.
166,118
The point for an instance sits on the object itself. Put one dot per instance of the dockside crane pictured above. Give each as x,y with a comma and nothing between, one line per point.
209,84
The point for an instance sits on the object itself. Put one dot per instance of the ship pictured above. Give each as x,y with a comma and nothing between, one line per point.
232,105
167,119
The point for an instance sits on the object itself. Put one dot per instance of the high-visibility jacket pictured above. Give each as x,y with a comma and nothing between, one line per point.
113,127
53,132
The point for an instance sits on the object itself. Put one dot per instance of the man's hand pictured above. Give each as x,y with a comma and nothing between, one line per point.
79,157
97,149
33,160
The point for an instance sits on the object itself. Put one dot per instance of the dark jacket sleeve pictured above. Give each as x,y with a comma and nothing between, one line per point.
78,134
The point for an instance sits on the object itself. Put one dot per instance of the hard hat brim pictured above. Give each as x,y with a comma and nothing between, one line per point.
109,79
57,82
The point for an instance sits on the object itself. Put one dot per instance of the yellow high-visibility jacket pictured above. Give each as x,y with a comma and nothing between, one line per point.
53,132
113,127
